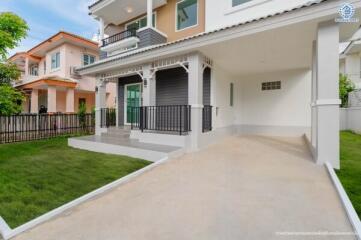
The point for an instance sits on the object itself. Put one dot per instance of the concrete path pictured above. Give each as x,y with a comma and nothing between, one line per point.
243,188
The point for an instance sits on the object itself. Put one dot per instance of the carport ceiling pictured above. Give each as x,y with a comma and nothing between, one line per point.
275,50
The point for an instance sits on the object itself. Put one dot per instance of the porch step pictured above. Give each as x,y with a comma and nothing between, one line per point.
114,132
126,147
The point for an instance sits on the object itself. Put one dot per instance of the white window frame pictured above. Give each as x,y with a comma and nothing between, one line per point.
176,17
89,55
243,6
51,61
155,21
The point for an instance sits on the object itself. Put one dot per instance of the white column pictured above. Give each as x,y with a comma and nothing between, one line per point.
195,98
327,94
51,99
149,13
69,101
34,101
117,103
101,31
100,102
149,86
26,67
314,97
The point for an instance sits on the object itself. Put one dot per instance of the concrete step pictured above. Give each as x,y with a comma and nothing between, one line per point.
126,147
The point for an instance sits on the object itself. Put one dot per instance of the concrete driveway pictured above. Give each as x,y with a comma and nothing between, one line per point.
243,188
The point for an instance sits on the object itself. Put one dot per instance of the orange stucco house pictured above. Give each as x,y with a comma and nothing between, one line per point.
48,76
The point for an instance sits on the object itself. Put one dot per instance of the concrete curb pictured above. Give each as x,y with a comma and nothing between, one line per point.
350,210
7,233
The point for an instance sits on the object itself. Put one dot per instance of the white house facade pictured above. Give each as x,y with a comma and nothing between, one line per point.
248,67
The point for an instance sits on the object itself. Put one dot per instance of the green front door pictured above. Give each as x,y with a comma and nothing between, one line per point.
133,99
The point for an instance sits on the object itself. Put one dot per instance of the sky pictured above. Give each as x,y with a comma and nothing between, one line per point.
47,17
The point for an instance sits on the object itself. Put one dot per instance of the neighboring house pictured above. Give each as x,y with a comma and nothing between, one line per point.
199,70
350,62
48,76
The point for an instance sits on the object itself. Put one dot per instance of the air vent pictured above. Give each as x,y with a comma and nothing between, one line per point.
266,86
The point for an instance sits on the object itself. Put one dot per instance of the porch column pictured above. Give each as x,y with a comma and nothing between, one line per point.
101,31
149,86
313,97
117,104
327,95
51,99
149,13
34,101
69,105
195,98
100,102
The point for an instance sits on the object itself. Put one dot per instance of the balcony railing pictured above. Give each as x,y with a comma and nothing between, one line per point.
119,37
107,117
207,119
173,118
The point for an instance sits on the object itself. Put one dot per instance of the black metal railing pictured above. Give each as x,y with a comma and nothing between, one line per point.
173,118
119,36
107,117
207,118
28,127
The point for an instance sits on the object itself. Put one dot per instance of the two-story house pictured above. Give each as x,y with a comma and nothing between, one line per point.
48,76
189,72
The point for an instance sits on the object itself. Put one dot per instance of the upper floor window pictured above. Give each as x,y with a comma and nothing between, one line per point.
34,70
239,2
55,60
187,14
88,59
139,23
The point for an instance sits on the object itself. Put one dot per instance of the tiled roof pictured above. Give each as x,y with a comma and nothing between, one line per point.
142,50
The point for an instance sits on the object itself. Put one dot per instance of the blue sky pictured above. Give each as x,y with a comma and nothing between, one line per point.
47,17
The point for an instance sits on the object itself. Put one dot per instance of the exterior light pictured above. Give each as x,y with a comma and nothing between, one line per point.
129,9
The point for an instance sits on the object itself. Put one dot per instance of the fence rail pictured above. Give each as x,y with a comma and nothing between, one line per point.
173,118
207,119
27,127
107,117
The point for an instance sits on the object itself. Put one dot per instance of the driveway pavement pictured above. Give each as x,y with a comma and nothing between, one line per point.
243,188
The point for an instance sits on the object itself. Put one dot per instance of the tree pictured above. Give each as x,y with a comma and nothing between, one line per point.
12,30
346,86
10,100
8,72
82,115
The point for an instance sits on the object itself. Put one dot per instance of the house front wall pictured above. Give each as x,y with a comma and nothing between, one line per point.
166,22
221,13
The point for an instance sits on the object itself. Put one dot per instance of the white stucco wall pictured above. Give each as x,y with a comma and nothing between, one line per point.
289,106
353,68
221,13
350,119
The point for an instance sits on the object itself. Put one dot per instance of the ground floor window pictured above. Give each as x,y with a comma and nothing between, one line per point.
82,101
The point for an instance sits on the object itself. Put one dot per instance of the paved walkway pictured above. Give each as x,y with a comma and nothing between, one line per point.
244,188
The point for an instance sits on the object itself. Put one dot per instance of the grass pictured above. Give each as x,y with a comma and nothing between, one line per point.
36,177
350,173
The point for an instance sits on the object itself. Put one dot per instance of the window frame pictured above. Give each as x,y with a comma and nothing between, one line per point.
57,66
140,18
89,55
176,17
239,4
231,94
243,6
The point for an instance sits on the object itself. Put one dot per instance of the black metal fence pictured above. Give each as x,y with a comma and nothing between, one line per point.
27,127
119,36
173,118
108,117
207,118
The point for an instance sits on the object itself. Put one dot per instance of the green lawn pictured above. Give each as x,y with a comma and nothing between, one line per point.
350,173
36,177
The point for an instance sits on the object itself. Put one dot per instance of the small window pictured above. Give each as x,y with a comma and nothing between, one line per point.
44,65
187,14
82,101
34,70
239,2
55,60
139,23
266,86
231,94
88,59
